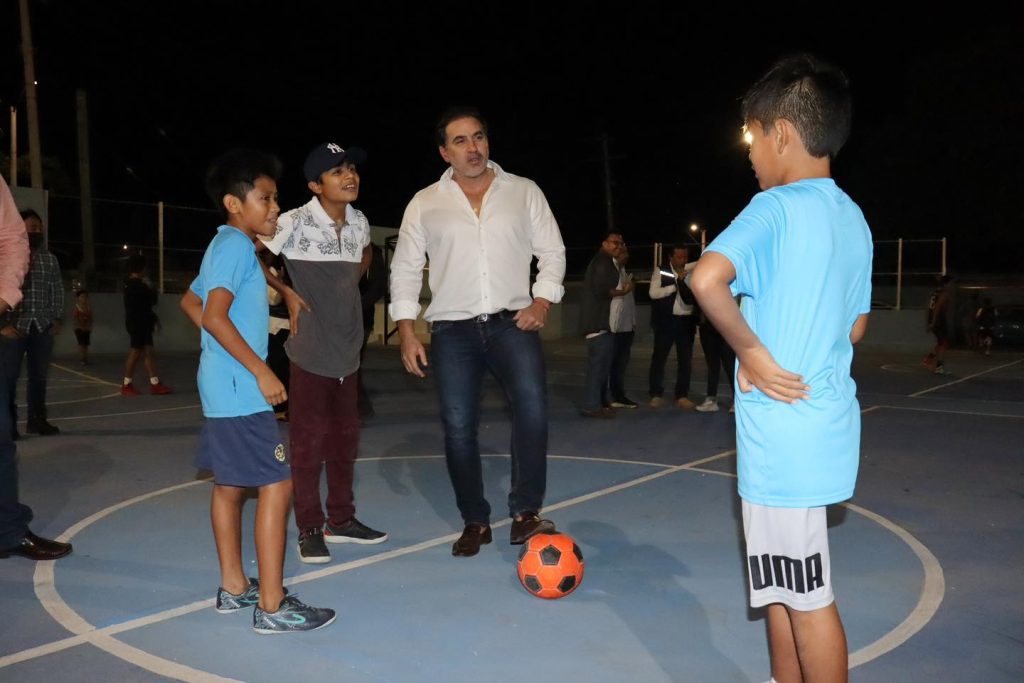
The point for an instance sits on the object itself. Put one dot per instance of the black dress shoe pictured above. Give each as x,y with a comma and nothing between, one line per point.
41,427
528,524
473,536
35,548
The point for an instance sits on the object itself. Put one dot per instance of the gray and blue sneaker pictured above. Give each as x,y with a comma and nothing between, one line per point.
229,602
291,616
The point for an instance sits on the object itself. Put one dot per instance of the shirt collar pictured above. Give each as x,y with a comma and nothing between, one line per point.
321,217
499,173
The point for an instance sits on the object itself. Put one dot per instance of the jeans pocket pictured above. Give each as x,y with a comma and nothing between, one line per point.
439,326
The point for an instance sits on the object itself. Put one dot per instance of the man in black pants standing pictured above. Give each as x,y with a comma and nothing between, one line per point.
674,316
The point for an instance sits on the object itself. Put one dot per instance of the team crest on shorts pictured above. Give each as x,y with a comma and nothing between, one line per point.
279,452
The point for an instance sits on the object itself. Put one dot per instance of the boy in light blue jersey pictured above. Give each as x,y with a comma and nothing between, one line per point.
799,255
240,442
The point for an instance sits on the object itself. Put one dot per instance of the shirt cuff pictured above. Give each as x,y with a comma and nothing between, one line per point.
404,310
545,290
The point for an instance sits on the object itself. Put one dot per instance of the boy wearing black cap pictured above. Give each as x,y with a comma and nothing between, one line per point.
325,244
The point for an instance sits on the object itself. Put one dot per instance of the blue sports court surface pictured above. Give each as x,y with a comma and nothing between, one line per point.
927,557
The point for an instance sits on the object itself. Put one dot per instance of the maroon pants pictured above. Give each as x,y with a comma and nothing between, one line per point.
324,431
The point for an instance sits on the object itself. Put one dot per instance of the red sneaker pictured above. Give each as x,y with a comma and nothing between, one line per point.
159,388
129,390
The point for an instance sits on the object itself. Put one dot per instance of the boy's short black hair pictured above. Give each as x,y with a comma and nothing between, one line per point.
453,114
235,173
812,95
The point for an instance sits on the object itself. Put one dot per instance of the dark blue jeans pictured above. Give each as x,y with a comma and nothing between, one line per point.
620,361
718,355
600,353
460,353
14,517
37,345
679,333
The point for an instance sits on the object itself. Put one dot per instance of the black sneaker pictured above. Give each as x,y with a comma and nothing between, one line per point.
291,617
41,427
312,549
624,403
352,531
229,602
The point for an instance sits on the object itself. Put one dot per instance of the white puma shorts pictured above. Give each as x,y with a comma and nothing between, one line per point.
787,556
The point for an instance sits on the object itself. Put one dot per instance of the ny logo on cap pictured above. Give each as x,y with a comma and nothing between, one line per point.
335,148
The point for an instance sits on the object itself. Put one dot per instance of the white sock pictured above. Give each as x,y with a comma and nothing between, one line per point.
126,381
154,380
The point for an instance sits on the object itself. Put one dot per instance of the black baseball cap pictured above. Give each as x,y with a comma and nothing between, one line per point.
326,156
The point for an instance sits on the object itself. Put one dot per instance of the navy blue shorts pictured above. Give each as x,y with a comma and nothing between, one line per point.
243,451
140,339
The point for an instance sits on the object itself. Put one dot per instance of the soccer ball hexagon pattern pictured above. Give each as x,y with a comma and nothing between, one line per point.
550,565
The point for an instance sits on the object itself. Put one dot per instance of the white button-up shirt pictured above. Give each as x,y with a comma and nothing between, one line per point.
478,264
658,292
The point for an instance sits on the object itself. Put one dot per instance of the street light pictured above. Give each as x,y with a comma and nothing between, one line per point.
703,234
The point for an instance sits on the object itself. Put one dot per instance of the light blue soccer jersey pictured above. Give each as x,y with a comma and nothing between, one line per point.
226,388
802,254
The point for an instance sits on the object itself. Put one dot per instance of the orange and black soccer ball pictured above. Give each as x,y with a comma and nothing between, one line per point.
550,565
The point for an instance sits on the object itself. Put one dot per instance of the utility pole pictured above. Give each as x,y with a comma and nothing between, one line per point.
34,150
85,185
607,166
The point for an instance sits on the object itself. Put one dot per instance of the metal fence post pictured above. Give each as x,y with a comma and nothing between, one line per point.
160,245
899,273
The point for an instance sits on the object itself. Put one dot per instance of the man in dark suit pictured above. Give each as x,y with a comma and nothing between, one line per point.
674,316
600,286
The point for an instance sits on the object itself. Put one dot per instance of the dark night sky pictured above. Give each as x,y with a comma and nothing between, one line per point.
936,147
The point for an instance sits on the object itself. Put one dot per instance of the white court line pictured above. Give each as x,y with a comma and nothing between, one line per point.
932,592
952,412
928,603
79,400
964,379
55,605
130,412
92,378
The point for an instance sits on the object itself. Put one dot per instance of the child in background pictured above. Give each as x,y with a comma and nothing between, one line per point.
985,318
83,323
140,321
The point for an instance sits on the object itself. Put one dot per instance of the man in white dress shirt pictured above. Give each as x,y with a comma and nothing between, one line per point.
481,227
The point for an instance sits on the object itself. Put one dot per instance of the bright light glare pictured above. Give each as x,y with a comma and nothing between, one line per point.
124,247
693,227
747,137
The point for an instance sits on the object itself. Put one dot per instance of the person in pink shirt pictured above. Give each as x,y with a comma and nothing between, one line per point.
15,536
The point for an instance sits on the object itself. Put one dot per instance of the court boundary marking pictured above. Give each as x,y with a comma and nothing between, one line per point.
964,379
932,592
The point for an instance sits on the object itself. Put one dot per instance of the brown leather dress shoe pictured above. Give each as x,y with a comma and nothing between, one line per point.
35,548
473,536
529,524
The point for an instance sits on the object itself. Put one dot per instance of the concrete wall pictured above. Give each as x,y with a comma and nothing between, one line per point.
896,330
